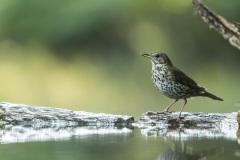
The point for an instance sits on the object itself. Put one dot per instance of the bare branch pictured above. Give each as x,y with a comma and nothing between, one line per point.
229,31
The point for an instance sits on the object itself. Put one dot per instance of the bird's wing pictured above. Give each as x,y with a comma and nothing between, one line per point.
182,78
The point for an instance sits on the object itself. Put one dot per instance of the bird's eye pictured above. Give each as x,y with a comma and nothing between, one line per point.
157,56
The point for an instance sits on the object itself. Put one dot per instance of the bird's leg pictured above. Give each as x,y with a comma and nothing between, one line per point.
185,102
166,110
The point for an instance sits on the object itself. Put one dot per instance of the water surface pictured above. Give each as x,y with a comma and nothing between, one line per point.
117,144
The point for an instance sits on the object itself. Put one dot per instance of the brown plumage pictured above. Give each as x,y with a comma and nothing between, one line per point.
172,82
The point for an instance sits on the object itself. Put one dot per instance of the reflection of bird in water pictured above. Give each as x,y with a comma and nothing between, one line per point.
180,151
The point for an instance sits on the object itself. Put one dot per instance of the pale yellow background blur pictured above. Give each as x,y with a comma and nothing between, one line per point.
85,55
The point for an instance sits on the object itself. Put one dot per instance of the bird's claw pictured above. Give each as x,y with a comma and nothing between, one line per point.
176,119
164,112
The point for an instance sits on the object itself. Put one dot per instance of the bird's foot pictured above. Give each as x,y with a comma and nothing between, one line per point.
179,118
175,119
164,112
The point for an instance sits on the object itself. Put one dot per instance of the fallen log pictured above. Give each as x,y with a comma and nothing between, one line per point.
19,114
21,123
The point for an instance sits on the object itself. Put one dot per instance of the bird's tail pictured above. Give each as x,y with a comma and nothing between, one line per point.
207,94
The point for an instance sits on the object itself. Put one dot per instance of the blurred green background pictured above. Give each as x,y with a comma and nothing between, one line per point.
85,55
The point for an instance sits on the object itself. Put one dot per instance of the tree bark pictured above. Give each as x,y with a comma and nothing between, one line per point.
229,31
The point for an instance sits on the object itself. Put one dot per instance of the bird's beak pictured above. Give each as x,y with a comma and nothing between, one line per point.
146,55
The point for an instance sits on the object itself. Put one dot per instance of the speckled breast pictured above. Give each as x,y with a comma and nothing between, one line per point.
165,83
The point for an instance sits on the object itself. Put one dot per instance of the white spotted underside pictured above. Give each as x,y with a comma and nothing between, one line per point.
162,80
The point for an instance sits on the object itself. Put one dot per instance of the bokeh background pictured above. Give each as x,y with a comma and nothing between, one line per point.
85,55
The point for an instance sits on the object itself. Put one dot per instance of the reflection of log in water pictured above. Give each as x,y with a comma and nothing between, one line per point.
16,134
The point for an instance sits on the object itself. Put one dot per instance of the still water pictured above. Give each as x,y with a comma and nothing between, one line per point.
93,143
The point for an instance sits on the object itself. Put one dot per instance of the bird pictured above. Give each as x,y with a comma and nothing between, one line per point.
174,83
